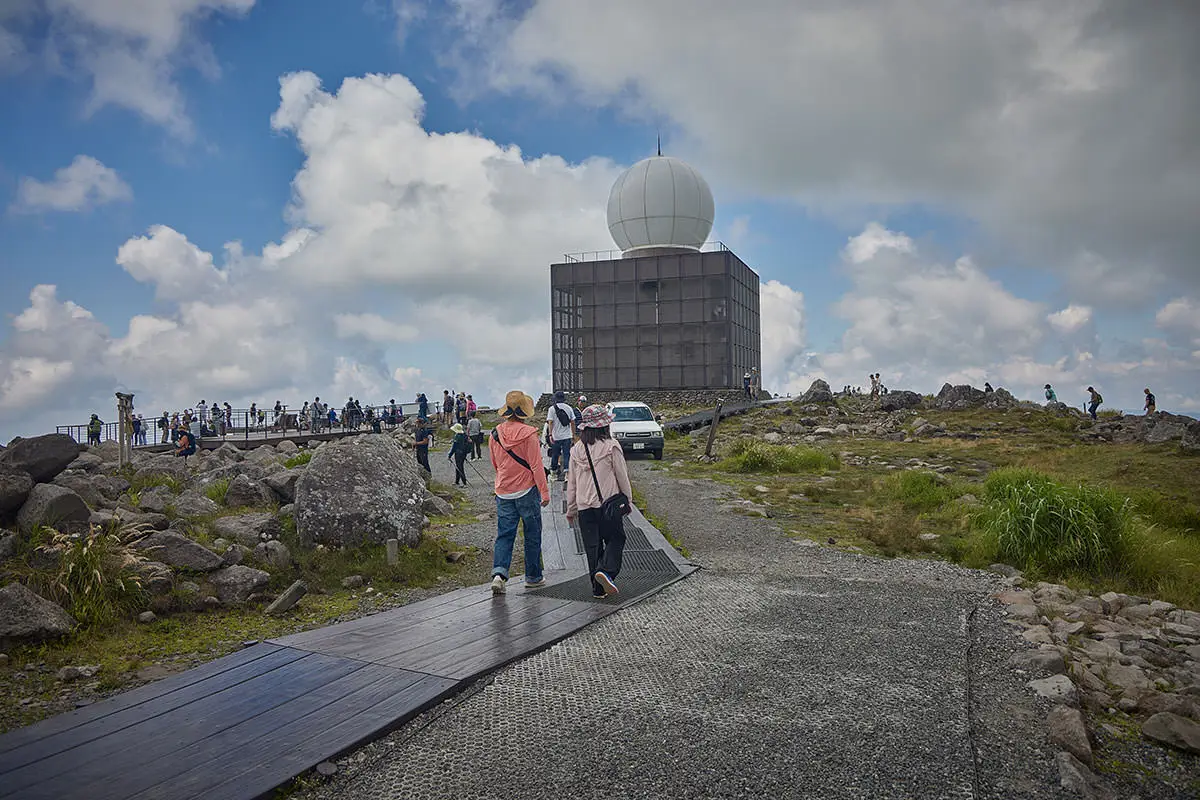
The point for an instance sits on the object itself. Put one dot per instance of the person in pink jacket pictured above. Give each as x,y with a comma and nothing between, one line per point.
603,541
521,490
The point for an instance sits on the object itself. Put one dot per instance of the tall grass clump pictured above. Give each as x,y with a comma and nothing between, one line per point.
1033,522
216,490
752,455
298,459
921,491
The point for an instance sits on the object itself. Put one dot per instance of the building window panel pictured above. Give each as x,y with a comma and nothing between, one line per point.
605,272
669,313
694,377
670,377
606,337
627,292
647,314
647,269
668,289
626,314
648,334
648,378
626,270
605,316
627,337
693,311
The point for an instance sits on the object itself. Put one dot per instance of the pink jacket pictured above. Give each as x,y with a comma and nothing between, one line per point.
511,477
611,472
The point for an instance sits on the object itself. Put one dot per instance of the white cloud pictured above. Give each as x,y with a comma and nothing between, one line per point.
177,268
783,333
373,327
1056,127
409,378
85,183
1071,319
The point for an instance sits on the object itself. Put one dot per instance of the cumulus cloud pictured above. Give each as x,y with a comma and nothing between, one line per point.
84,183
781,310
374,328
128,51
1063,129
176,267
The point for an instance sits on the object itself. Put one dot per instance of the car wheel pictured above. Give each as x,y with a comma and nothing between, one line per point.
658,455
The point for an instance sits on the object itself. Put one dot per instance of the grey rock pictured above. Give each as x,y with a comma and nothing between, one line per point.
42,457
235,584
86,462
341,501
15,486
288,510
1076,778
1173,730
244,492
1004,569
772,437
158,522
27,617
235,554
248,529
274,553
287,448
155,500
818,392
179,551
74,673
957,398
1045,660
228,452
1067,731
81,485
110,486
284,483
157,578
1129,679
353,582
159,466
146,617
436,506
8,545
1056,688
895,401
288,599
194,504
55,506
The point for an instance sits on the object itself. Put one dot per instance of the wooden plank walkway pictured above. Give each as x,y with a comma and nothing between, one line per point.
242,725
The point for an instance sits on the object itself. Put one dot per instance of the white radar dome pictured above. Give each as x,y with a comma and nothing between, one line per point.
660,202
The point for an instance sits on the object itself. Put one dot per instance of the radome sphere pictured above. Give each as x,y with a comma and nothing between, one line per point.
660,202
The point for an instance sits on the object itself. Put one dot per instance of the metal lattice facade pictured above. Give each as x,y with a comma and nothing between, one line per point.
677,320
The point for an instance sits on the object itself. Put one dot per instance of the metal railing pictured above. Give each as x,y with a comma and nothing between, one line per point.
612,255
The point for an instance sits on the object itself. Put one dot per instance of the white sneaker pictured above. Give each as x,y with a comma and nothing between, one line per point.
535,584
498,584
606,583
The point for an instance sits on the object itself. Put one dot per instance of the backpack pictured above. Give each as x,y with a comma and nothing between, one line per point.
564,418
1099,398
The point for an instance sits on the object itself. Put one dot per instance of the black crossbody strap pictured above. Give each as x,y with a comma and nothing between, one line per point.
517,458
595,480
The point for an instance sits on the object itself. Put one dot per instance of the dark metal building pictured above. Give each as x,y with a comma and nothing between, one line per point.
663,319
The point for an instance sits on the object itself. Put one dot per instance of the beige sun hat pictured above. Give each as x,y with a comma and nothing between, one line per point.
517,405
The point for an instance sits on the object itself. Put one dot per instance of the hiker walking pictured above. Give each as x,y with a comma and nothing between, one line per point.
447,407
421,439
1151,403
520,489
1094,401
475,436
562,433
94,427
459,449
598,482
746,384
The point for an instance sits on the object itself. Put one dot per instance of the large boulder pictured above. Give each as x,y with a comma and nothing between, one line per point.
1191,437
244,491
1164,427
284,484
156,499
235,584
274,554
27,617
1000,398
287,448
341,499
86,462
81,485
42,457
108,451
958,398
158,466
894,401
194,504
110,486
14,488
55,506
248,529
179,551
818,392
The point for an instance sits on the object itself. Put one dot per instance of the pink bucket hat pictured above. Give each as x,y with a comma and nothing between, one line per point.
595,416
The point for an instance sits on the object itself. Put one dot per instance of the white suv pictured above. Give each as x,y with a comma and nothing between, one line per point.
636,428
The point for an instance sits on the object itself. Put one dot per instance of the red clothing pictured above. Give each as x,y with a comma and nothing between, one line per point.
511,477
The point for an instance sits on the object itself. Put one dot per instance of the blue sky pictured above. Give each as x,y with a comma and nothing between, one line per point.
921,196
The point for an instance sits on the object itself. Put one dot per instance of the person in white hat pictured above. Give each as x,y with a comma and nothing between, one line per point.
596,473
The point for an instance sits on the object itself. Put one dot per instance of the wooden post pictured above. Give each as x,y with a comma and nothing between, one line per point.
124,428
712,430
393,551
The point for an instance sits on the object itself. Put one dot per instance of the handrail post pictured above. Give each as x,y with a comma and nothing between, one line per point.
712,430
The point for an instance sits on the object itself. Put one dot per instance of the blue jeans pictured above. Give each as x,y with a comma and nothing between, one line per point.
527,508
562,446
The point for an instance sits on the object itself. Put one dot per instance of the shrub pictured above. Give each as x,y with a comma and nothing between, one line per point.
298,459
94,577
1032,521
921,491
752,455
216,490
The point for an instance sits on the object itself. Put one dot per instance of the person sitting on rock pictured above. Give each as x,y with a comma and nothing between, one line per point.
1051,397
1151,404
987,388
186,444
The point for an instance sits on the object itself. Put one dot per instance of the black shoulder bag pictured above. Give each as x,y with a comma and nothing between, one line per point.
614,509
517,458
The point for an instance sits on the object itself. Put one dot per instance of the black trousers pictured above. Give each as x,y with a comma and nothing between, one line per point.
477,445
604,543
423,457
460,473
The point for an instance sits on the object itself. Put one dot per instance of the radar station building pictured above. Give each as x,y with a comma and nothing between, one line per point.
669,311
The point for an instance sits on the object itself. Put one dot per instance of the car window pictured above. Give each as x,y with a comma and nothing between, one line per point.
632,414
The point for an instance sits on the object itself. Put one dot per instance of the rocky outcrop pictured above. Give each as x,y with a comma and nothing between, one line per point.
14,488
54,506
244,492
82,485
42,457
28,617
179,551
958,398
248,529
340,499
818,392
1158,428
235,584
895,401
284,484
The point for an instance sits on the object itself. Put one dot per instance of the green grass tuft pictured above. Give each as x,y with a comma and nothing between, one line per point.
216,490
921,491
299,459
752,455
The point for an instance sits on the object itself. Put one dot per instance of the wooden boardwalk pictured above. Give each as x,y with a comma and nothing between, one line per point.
242,725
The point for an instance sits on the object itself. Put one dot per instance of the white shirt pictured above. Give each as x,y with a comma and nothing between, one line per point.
558,431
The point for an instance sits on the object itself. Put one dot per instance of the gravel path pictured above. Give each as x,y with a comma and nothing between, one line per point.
779,670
